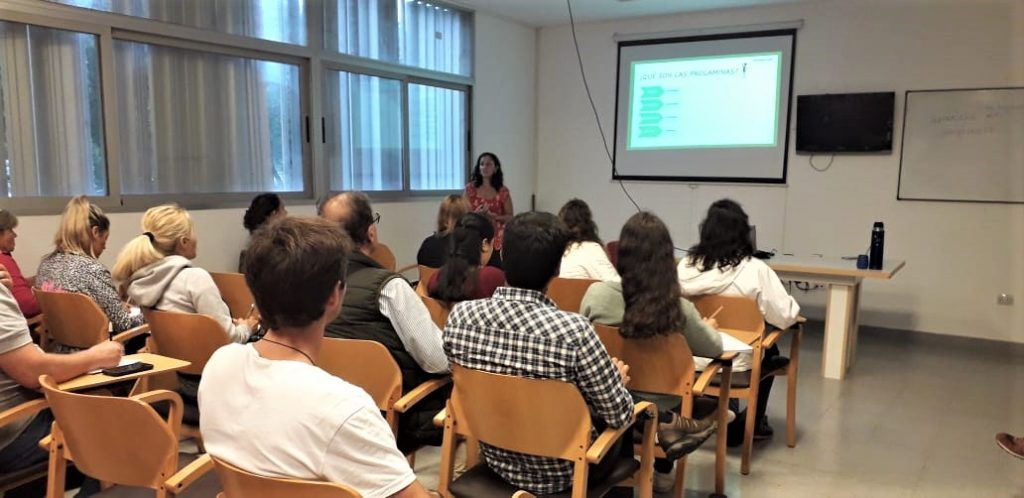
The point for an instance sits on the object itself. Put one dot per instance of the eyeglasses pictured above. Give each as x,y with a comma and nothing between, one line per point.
376,218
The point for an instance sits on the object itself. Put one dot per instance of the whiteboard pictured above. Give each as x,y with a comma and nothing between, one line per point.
963,145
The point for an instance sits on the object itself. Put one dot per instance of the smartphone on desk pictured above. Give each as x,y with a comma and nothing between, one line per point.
122,370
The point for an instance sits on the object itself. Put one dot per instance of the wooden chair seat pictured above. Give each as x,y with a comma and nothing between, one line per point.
206,486
482,482
567,293
235,293
382,254
439,311
74,320
239,483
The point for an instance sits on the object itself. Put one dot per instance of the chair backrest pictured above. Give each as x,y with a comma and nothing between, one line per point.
238,483
112,439
540,417
425,273
73,319
661,364
367,364
567,293
383,255
738,313
235,292
438,311
186,336
612,248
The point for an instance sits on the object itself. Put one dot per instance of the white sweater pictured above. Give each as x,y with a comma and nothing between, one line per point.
587,260
751,278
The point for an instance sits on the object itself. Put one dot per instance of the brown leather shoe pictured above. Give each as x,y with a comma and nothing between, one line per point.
1012,445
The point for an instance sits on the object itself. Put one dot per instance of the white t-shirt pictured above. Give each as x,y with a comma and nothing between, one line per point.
587,260
281,418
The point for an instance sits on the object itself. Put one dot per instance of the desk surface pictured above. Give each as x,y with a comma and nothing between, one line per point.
160,364
832,267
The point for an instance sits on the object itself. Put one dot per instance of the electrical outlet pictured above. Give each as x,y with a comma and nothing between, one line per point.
1004,299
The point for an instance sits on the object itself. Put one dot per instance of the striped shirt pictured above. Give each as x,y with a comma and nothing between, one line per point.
521,332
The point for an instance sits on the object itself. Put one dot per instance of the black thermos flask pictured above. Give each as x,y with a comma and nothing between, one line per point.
877,246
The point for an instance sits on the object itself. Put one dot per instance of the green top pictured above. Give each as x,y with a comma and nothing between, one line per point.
603,303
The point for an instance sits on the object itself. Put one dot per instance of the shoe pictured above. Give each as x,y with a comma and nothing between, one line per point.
663,482
1012,445
729,417
689,425
677,444
762,430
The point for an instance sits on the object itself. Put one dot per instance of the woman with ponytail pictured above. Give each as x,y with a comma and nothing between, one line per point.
466,275
157,269
73,265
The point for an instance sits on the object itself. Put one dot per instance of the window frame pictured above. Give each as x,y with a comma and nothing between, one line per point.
312,59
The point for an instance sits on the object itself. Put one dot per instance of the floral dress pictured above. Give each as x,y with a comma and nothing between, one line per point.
495,206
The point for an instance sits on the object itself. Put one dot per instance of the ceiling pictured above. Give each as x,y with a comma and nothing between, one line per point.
553,12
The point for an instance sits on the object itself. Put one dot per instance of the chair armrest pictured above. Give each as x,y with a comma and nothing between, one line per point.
439,418
22,411
189,474
704,380
606,439
175,411
36,320
45,442
419,392
131,333
772,337
801,319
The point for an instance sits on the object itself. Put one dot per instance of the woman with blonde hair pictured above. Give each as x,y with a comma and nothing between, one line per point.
73,265
434,250
157,269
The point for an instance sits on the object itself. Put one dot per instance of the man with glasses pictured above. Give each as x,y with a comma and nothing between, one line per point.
381,306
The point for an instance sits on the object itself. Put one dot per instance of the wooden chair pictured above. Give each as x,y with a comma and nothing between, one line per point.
383,255
741,317
425,273
235,292
9,416
439,311
189,337
612,248
238,483
567,293
664,365
369,365
120,441
76,321
540,417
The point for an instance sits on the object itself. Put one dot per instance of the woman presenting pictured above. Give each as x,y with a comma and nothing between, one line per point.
488,195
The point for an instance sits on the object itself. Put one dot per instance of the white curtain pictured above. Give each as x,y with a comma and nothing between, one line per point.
51,133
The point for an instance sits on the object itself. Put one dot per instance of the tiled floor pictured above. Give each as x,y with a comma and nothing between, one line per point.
915,417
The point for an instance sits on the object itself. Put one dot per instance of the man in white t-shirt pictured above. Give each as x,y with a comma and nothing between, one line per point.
266,407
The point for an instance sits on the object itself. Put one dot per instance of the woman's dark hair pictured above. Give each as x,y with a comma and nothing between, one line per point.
497,180
724,237
580,221
263,206
457,279
650,287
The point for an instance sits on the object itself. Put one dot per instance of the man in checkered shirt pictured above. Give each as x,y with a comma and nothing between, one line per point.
519,331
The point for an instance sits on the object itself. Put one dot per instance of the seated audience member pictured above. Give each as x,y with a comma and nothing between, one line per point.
263,208
73,266
434,249
157,268
267,408
466,275
22,289
585,257
381,306
722,263
648,303
521,332
21,364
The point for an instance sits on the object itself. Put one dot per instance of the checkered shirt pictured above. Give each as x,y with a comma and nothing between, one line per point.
521,332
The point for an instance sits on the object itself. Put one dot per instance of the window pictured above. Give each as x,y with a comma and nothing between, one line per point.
437,138
51,122
414,33
364,143
274,20
199,122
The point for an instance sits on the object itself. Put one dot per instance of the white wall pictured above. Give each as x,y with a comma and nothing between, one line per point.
503,122
959,256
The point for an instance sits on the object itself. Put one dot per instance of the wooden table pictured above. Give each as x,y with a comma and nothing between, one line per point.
842,306
160,364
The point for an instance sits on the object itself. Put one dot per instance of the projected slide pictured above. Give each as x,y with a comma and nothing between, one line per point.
705,102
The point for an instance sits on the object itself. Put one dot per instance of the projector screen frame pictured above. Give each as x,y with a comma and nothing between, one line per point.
788,97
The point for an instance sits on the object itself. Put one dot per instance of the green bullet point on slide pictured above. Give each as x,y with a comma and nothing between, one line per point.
650,104
650,118
649,131
651,92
